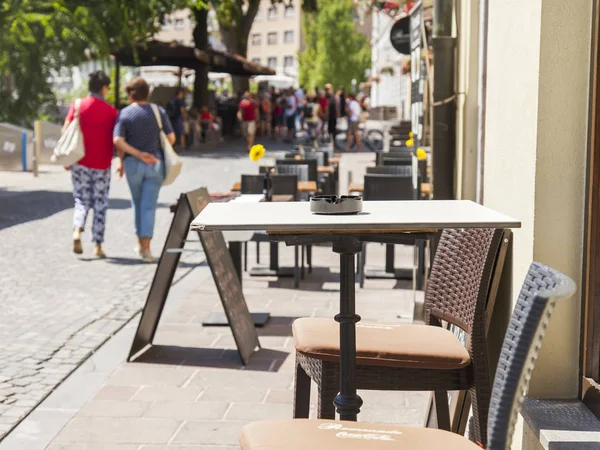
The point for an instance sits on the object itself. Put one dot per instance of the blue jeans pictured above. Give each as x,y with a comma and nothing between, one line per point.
144,183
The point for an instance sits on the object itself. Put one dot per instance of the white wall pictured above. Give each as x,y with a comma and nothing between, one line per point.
535,147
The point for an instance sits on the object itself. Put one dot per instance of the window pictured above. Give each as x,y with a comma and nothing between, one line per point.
258,14
272,14
179,25
288,61
256,60
272,38
167,24
272,61
288,36
256,39
289,11
179,41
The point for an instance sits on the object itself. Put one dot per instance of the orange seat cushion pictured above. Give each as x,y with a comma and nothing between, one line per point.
303,434
383,344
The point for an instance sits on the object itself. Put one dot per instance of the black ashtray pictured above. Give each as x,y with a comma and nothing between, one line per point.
332,204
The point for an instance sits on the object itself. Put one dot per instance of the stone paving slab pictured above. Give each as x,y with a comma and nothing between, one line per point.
193,384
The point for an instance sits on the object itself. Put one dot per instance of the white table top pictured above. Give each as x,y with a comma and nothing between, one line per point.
242,236
376,216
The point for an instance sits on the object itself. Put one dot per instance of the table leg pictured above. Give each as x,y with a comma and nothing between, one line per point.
347,402
235,250
389,258
274,257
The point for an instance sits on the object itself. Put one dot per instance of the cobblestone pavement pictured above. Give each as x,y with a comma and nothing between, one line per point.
56,308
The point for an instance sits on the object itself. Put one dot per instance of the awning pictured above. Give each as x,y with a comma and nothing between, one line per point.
156,53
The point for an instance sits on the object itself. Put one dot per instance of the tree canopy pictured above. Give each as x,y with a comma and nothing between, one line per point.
335,51
42,36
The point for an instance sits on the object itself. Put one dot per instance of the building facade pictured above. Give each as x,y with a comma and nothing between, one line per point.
529,149
276,37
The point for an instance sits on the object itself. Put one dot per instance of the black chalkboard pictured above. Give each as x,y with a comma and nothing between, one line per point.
228,285
163,277
227,281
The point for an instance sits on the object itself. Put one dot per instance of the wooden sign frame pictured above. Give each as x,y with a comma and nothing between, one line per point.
222,268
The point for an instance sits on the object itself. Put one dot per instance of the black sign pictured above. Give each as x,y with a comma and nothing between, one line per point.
417,72
400,36
223,271
227,281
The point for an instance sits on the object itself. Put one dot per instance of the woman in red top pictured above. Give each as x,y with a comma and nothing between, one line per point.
91,174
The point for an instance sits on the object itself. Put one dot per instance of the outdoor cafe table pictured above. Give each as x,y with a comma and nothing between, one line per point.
383,221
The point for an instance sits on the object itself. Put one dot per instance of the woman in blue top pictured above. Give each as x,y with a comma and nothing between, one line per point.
137,137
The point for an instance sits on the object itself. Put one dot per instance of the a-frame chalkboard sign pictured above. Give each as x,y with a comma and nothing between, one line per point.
223,271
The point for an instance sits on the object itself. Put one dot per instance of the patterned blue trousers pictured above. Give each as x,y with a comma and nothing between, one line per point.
90,191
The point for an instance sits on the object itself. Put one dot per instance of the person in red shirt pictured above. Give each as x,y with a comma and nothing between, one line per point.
247,114
91,174
323,112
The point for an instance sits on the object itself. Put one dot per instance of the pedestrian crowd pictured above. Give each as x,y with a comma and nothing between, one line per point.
135,132
287,112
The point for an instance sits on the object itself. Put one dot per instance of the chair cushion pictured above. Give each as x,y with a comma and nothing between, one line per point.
383,344
303,434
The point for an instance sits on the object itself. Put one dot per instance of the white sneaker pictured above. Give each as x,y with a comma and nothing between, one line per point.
138,250
147,257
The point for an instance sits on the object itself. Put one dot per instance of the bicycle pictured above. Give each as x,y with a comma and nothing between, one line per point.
371,139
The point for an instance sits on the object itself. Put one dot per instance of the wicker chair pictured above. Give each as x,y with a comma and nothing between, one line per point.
253,184
542,288
390,187
415,357
394,158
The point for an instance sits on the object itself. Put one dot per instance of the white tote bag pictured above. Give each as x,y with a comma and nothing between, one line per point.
172,162
70,148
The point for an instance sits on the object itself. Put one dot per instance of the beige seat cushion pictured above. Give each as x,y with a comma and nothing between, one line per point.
383,344
304,434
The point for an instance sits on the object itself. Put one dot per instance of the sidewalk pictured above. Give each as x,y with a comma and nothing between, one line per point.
57,308
190,390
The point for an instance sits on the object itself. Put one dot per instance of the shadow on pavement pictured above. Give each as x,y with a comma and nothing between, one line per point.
211,357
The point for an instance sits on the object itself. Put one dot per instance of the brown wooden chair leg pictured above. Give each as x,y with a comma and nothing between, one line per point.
301,393
442,411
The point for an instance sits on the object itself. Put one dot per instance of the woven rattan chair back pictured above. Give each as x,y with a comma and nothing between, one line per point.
403,170
389,187
310,163
285,185
300,170
397,158
543,286
252,184
460,276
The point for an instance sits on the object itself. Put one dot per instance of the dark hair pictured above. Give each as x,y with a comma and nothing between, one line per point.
138,89
178,91
97,81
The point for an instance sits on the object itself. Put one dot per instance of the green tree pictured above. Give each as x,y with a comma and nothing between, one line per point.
235,19
41,36
335,51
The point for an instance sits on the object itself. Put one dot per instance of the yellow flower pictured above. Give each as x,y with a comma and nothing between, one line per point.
421,154
410,142
256,152
410,134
